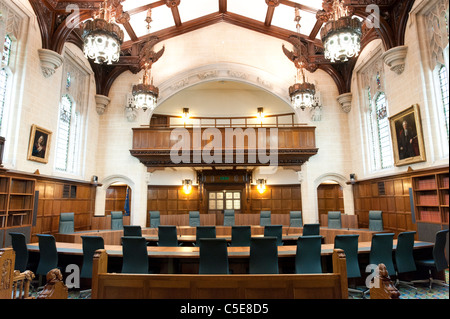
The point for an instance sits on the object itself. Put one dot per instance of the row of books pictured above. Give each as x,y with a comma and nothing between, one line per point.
431,200
426,184
430,216
445,182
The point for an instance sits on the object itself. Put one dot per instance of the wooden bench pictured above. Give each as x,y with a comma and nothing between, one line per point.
290,286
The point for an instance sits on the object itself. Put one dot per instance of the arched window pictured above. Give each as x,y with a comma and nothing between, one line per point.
380,135
5,77
443,87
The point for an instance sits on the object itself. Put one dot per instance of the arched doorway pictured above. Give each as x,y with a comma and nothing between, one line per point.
330,197
118,198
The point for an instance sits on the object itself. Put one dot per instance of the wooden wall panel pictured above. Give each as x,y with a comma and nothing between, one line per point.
330,197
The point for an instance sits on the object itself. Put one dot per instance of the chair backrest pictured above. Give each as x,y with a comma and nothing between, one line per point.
381,251
376,220
48,255
228,217
213,256
263,256
135,256
116,220
334,220
204,232
309,255
274,231
295,219
66,223
265,218
167,236
19,245
194,218
349,244
90,245
130,231
311,230
404,258
439,250
240,236
154,219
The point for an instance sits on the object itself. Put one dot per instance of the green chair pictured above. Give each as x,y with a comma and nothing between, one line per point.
274,231
48,255
349,244
132,231
404,257
381,251
204,232
154,219
228,217
376,220
311,230
116,220
240,236
439,261
194,218
167,236
90,244
19,245
309,254
135,256
213,256
265,218
334,220
66,223
295,219
263,256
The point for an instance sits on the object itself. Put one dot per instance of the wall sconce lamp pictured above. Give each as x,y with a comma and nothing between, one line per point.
261,185
187,186
260,114
185,115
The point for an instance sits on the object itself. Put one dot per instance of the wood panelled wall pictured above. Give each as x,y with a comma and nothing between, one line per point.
115,199
171,200
330,197
388,194
279,199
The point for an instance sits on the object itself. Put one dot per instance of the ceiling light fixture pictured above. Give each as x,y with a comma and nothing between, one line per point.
102,37
341,35
146,94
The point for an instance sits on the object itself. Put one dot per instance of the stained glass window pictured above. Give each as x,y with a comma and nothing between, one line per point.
62,143
385,146
443,82
4,76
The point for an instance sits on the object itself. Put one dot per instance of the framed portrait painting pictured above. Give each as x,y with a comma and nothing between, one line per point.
39,145
407,138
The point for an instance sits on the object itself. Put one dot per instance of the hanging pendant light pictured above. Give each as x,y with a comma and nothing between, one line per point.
341,35
102,38
145,94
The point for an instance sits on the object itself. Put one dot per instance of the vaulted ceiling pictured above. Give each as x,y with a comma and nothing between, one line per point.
172,18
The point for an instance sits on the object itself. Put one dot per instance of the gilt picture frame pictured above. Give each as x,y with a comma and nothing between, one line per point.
39,145
407,137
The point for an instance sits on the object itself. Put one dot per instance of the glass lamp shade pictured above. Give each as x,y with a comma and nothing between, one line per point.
145,96
342,39
102,41
302,95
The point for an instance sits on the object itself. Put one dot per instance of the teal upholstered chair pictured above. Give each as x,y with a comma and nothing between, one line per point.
228,217
265,218
194,218
19,245
48,255
135,256
154,219
404,257
132,231
295,219
66,223
334,220
167,236
381,251
240,236
263,256
213,256
204,232
116,220
311,230
439,261
274,231
376,220
349,244
309,254
90,244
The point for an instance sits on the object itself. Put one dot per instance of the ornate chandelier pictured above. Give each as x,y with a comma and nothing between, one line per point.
102,38
341,35
302,93
146,94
